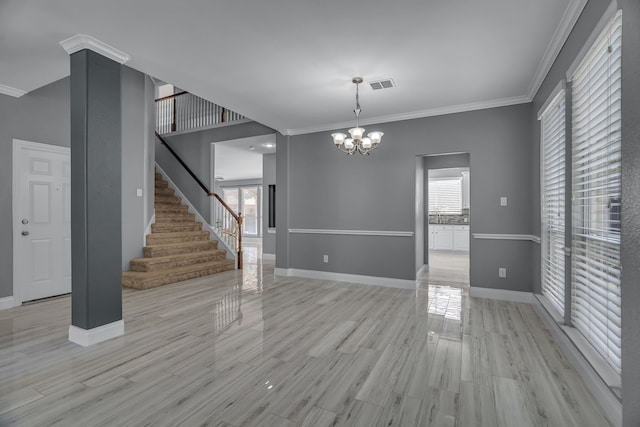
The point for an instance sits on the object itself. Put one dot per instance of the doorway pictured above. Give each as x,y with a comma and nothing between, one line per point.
447,217
246,200
41,221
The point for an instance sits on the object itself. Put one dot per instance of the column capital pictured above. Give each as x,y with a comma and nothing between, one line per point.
82,41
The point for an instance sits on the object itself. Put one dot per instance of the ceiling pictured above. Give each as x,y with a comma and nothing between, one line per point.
288,63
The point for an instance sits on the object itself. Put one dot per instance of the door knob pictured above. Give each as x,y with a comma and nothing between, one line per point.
25,233
25,221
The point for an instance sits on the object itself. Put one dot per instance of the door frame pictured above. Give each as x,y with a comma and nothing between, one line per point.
18,145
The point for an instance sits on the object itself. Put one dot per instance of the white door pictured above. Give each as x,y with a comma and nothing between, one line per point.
42,220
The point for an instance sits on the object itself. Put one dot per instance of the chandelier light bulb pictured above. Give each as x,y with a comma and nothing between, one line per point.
338,138
348,144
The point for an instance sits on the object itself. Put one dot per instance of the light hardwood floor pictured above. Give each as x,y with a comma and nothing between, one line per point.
242,348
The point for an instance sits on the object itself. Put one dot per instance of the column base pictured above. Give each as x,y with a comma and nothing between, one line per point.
87,337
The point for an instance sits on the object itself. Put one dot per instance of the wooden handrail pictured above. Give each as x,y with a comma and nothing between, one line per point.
236,216
171,96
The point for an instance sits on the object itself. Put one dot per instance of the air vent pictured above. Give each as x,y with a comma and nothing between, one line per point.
382,84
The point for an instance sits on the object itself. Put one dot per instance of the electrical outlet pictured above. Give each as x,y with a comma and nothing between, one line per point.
139,192
502,272
503,201
325,258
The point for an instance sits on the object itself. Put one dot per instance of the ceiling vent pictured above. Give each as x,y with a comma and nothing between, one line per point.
382,84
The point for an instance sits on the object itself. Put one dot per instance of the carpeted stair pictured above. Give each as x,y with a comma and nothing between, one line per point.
177,248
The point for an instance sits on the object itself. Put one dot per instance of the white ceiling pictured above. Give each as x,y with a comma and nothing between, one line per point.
242,158
288,63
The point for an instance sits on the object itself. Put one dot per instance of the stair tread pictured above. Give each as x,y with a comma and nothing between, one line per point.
181,244
166,258
179,233
178,270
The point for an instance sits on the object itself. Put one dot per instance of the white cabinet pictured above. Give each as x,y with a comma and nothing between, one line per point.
448,237
461,238
443,238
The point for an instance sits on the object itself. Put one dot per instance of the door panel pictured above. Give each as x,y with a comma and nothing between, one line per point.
42,229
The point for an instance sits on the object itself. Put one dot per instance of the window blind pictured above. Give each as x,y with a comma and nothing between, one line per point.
596,121
552,132
445,196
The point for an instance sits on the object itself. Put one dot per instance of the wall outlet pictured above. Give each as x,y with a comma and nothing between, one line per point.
139,192
503,201
502,272
325,258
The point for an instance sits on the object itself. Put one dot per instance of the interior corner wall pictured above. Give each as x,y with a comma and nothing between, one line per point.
282,200
328,190
420,234
195,150
137,100
44,116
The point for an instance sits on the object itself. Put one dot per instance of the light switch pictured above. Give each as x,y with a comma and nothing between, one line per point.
503,201
139,192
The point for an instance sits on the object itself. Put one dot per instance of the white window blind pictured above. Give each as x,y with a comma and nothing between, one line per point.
445,196
552,124
595,309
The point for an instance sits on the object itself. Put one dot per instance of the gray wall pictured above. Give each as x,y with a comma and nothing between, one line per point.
630,212
327,189
138,120
268,178
40,116
195,150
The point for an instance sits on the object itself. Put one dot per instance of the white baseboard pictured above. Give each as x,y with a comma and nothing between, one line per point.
608,401
87,337
7,302
270,257
352,278
501,294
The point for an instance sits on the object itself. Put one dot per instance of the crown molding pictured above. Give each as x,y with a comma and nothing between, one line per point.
82,41
461,108
12,91
567,22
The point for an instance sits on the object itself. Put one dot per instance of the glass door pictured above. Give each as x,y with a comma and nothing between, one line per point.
250,211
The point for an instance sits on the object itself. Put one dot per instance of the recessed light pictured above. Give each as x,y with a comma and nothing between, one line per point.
251,147
269,145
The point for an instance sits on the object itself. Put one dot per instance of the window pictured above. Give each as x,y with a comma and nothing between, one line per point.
445,196
595,309
247,201
552,124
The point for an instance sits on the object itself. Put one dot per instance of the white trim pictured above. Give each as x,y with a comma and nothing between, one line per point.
343,277
501,294
12,91
147,229
531,237
19,144
603,395
230,252
606,18
7,302
82,41
561,86
560,36
480,105
271,230
352,232
208,127
270,257
88,337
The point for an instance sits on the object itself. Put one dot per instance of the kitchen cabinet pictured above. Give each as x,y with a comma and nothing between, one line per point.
445,237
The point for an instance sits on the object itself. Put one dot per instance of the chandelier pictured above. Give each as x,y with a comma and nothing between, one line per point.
357,143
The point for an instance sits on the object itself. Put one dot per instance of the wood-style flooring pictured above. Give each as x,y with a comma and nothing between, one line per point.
245,349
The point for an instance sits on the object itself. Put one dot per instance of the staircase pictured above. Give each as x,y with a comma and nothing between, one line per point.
177,248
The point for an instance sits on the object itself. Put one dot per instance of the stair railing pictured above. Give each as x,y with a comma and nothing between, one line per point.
228,224
184,110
